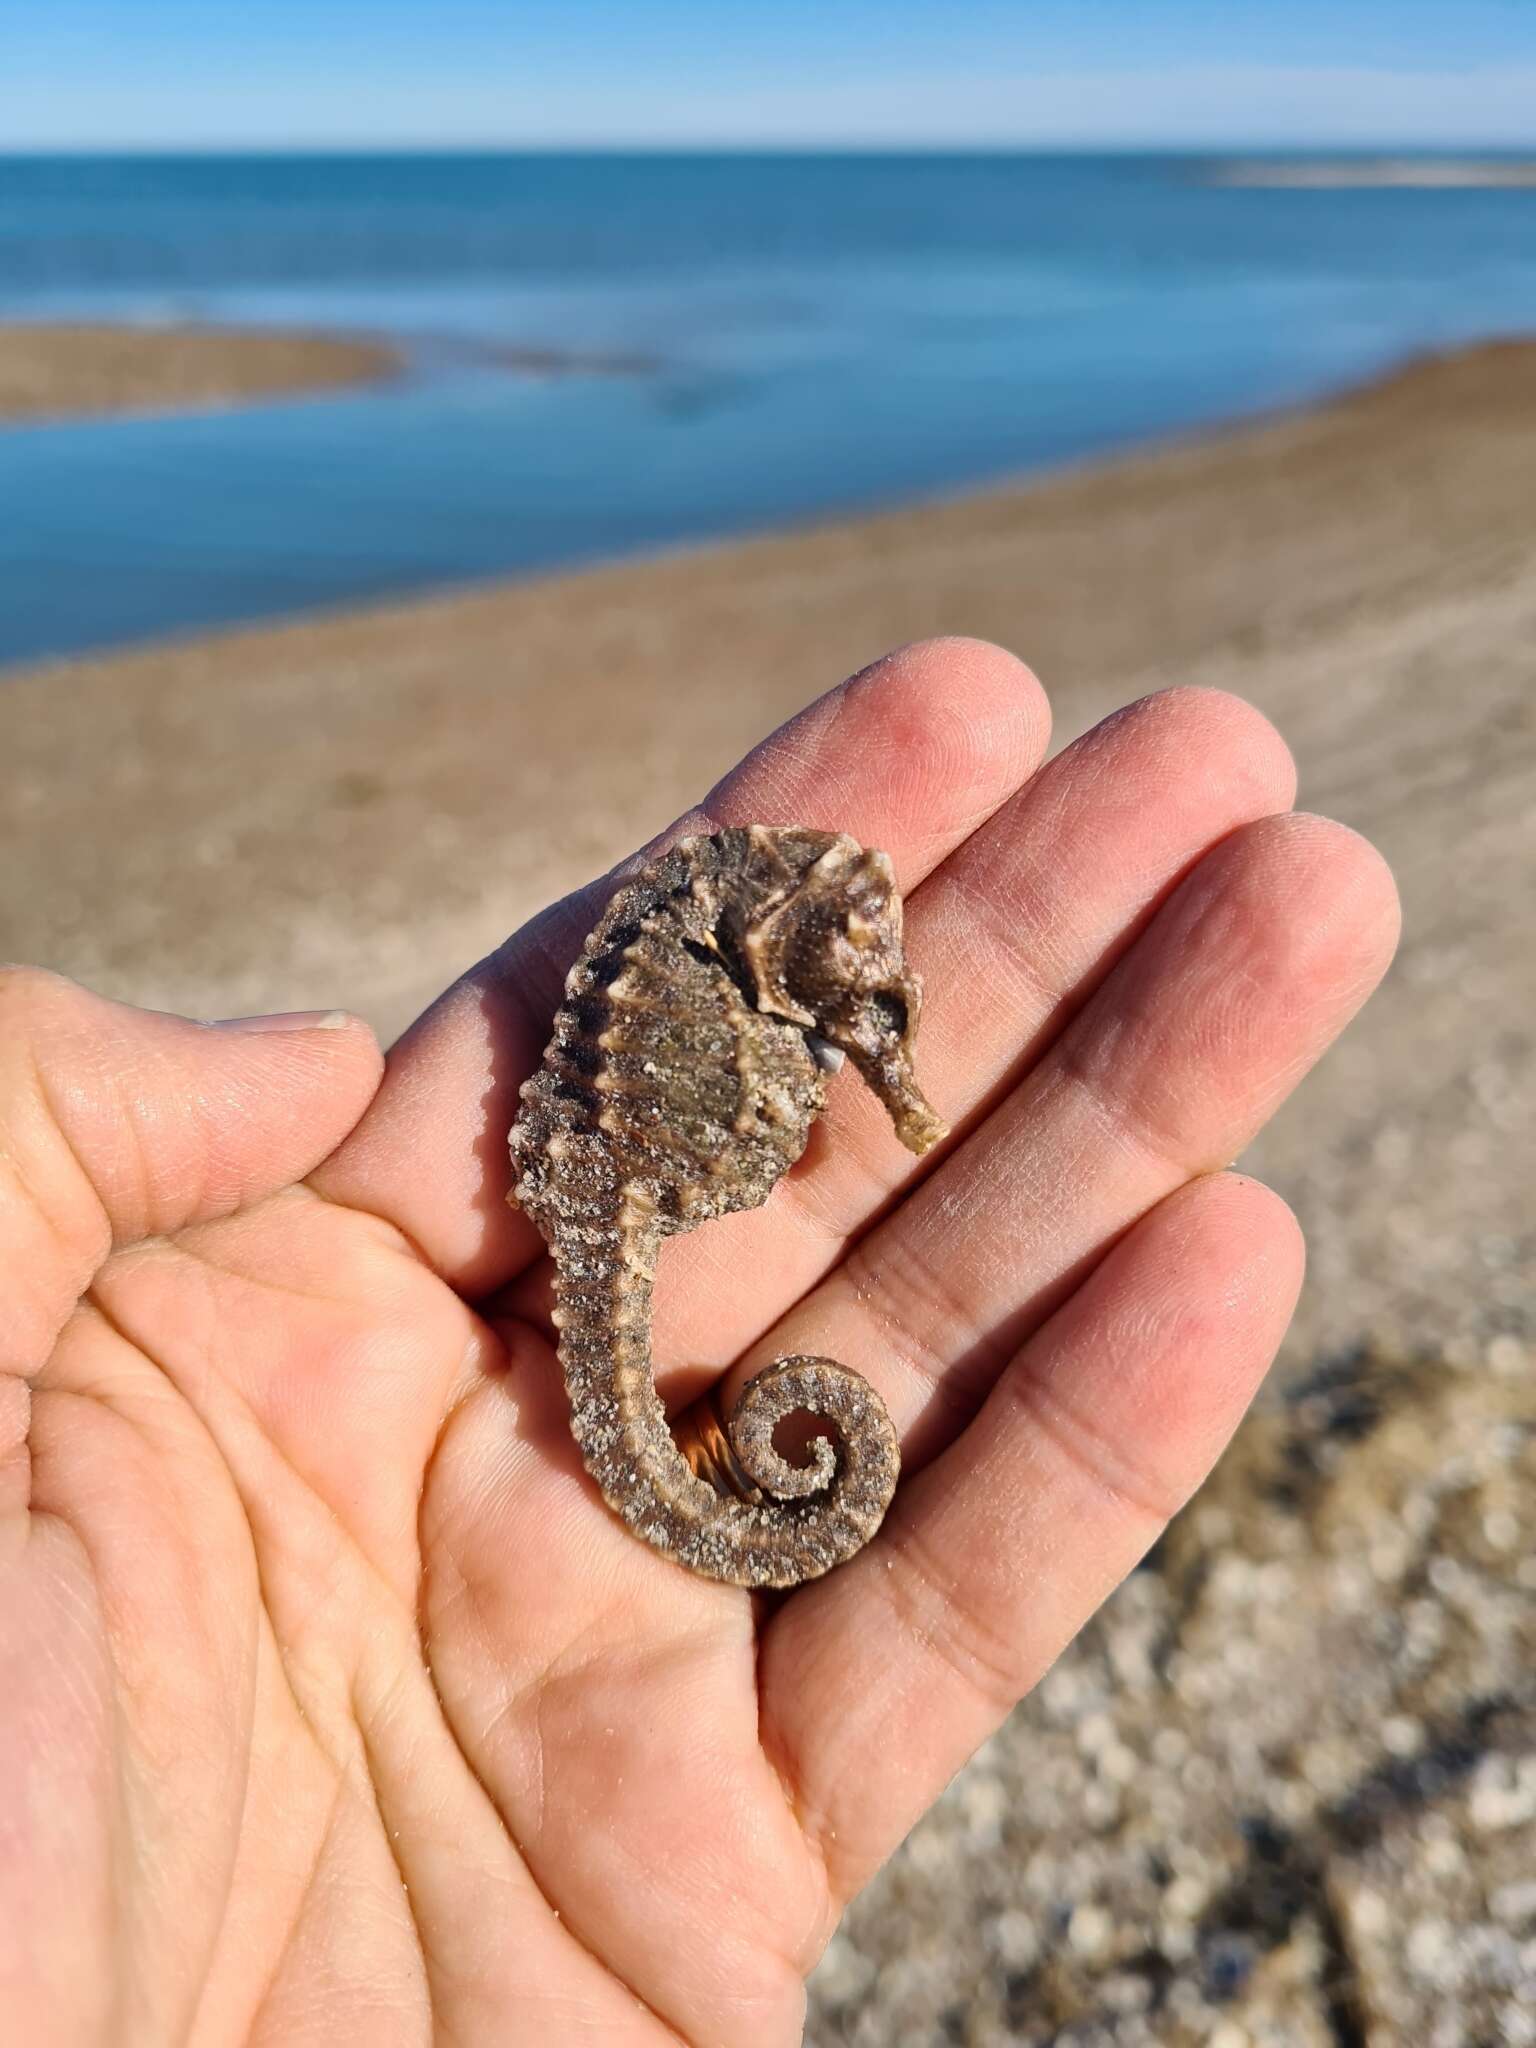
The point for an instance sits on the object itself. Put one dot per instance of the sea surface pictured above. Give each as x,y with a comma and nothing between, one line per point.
728,343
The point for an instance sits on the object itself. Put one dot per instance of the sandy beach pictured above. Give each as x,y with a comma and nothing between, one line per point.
348,810
1378,173
351,809
54,370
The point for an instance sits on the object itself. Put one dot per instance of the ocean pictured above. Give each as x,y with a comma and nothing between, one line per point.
730,343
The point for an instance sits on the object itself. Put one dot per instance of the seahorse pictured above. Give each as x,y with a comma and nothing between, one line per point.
687,1064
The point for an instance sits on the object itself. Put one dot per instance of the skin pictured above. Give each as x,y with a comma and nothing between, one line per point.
334,1703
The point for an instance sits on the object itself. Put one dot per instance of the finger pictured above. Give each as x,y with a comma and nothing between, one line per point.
911,755
1236,987
118,1124
879,1681
1012,935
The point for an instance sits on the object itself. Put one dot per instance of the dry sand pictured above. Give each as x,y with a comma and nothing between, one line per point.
58,371
350,810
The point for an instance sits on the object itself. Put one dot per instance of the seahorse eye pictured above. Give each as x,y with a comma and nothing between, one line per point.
891,1010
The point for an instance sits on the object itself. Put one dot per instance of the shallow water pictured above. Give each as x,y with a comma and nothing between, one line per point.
798,335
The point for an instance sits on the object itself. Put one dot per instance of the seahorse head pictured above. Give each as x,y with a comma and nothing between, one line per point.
827,954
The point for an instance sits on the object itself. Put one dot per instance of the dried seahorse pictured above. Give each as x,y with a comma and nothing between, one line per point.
685,1071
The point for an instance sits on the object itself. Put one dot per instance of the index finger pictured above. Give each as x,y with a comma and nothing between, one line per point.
910,755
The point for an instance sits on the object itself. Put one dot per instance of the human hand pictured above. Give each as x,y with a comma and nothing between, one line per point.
334,1704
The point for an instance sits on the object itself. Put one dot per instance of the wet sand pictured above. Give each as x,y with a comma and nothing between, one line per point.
349,810
64,371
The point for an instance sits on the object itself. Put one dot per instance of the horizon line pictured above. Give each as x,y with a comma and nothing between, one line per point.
1126,146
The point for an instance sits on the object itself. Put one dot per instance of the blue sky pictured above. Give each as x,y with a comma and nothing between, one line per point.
189,73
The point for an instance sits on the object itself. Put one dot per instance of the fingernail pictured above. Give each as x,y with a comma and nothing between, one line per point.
287,1020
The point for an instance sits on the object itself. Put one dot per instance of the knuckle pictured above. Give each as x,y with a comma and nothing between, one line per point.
1127,1484
940,1614
921,1319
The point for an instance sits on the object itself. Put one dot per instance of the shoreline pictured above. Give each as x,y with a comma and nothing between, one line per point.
56,371
350,808
537,364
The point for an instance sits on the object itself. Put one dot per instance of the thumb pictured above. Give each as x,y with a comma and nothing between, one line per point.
118,1124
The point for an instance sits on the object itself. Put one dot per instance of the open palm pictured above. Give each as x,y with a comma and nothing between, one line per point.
334,1705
